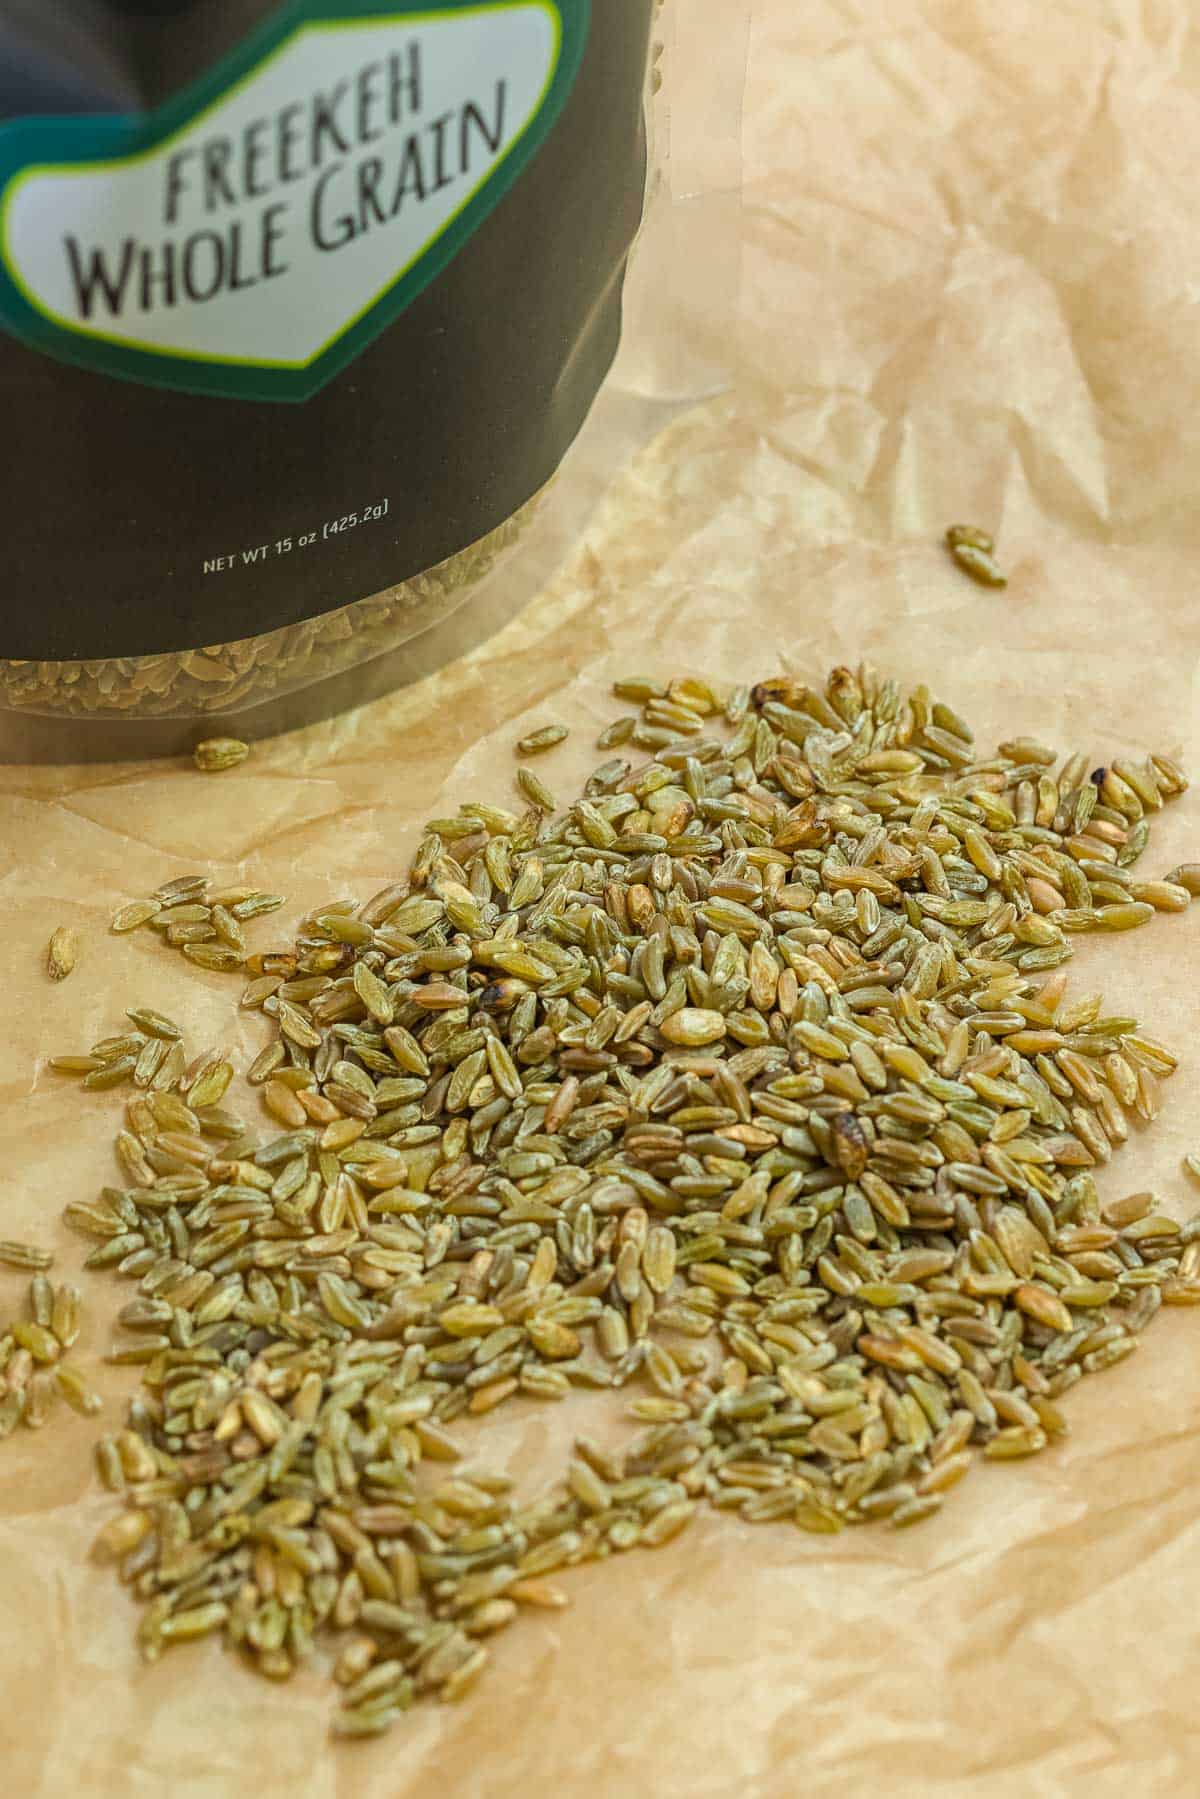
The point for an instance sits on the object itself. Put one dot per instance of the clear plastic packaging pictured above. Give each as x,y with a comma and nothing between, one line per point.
208,533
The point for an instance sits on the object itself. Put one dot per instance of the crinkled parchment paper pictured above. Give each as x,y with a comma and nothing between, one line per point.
969,275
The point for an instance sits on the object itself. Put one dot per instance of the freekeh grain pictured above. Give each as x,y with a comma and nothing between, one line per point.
33,1371
748,1081
62,953
538,742
212,755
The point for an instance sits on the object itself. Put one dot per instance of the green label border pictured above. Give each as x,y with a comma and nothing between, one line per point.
46,144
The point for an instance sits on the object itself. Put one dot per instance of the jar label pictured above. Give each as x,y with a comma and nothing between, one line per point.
250,238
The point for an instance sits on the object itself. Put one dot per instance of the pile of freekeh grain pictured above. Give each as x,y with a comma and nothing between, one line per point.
747,1083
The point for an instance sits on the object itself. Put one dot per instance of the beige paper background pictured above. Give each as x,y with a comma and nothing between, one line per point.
969,276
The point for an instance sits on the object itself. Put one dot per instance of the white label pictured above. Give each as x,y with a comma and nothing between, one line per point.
266,227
